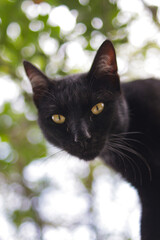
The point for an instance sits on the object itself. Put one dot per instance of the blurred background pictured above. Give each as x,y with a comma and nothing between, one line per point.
46,194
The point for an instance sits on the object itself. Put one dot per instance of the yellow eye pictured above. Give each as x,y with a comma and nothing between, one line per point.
57,118
98,108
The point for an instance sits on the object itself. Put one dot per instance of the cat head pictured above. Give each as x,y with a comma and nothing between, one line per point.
78,112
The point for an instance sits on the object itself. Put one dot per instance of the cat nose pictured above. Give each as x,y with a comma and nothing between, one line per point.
78,138
82,133
83,142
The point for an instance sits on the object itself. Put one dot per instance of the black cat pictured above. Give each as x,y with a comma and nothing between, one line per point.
91,114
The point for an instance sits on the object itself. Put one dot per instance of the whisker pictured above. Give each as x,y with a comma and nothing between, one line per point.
127,133
121,155
124,145
131,161
53,154
123,138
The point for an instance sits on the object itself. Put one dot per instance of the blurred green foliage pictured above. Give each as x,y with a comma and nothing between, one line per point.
20,138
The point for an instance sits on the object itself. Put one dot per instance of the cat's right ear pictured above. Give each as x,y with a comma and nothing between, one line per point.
104,61
104,67
38,80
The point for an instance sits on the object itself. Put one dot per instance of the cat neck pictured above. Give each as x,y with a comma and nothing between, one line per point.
121,116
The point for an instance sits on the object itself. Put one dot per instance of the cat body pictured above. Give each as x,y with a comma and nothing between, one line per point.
143,100
92,114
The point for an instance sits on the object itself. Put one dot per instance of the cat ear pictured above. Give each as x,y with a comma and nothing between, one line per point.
38,80
104,61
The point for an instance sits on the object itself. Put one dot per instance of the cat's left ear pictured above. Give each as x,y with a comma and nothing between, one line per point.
38,80
104,61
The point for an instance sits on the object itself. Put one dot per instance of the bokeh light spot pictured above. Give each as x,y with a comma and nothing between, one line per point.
13,30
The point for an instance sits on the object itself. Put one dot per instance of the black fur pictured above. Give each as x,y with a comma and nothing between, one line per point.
126,134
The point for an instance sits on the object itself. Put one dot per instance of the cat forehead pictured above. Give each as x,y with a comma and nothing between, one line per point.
73,77
75,93
68,91
71,85
80,90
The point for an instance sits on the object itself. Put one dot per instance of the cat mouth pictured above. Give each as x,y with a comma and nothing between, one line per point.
85,155
88,156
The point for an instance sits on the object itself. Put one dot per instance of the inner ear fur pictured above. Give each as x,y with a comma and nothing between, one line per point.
104,61
104,68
